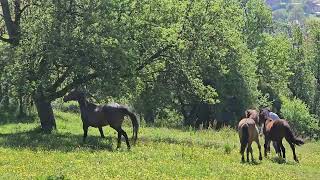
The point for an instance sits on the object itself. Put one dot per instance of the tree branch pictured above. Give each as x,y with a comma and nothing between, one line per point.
154,56
59,81
70,86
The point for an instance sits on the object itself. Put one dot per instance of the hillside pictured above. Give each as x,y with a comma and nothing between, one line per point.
161,153
291,10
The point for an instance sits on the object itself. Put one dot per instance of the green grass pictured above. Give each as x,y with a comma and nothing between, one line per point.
161,153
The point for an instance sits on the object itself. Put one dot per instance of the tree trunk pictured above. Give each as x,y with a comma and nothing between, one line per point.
45,114
149,117
21,112
4,101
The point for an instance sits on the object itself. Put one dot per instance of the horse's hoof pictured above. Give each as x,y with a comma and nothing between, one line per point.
260,158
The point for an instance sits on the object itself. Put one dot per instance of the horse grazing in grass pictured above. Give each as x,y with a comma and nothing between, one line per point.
248,132
276,130
98,116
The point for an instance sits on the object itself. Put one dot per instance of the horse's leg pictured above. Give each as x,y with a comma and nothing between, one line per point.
126,138
122,132
85,133
242,152
242,149
293,151
282,149
276,146
266,145
251,152
119,138
101,132
248,153
259,147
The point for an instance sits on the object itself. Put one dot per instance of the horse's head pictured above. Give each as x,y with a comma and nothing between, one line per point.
253,114
263,115
74,95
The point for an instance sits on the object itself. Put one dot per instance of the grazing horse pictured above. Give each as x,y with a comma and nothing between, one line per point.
99,116
276,130
248,132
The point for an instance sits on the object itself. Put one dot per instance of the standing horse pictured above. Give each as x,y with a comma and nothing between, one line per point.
276,130
253,114
99,116
248,132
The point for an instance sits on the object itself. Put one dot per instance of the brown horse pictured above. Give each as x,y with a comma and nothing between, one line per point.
253,114
248,132
276,130
99,116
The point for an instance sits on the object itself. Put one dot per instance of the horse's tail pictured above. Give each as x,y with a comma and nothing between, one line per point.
135,123
291,138
244,139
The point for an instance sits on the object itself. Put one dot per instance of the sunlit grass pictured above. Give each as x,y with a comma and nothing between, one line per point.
160,153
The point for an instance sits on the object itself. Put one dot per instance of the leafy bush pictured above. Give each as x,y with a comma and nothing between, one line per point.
70,106
169,118
297,113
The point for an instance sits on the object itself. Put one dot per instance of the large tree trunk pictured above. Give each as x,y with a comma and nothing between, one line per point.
45,114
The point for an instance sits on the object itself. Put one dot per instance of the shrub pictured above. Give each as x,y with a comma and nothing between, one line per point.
169,118
297,113
70,106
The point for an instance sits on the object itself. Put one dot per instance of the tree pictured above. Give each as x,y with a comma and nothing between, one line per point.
302,82
58,51
313,56
273,66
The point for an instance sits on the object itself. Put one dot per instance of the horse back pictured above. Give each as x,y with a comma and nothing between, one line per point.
253,114
277,128
252,128
114,114
247,121
97,117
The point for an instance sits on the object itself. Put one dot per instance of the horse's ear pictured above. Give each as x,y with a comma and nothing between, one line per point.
247,113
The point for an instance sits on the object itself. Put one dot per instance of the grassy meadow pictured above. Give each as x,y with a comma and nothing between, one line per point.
160,153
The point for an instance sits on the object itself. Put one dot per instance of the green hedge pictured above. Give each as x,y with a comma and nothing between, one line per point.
299,117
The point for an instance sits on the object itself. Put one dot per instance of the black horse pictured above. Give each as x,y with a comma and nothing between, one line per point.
99,116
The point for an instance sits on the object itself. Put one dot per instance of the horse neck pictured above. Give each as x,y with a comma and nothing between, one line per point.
83,103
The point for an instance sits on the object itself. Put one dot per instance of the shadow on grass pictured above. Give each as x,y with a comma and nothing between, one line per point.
67,142
253,162
280,160
185,142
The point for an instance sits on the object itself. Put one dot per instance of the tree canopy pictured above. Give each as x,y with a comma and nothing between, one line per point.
201,60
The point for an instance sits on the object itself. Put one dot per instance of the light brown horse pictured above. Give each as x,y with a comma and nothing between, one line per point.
253,114
276,130
248,132
98,116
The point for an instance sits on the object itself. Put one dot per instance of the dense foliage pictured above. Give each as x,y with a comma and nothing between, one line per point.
188,61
